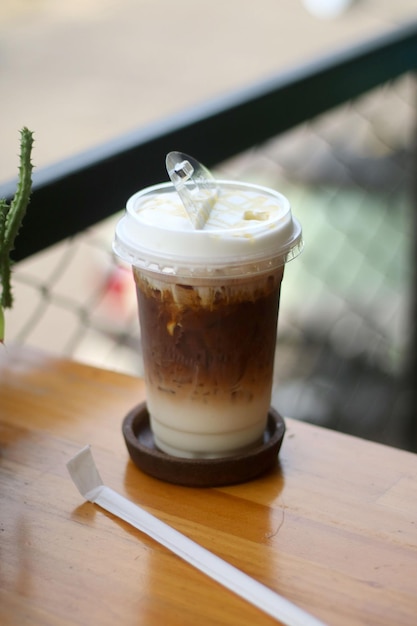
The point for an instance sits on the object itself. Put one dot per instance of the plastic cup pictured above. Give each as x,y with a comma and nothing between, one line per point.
208,304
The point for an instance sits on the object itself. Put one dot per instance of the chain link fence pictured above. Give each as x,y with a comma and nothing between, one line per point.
345,323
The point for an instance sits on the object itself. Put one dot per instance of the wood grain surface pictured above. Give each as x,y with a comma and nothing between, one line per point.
333,527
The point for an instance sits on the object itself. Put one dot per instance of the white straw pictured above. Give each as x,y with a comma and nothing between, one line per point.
84,473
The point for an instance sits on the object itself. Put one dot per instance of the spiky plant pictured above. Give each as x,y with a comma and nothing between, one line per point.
11,217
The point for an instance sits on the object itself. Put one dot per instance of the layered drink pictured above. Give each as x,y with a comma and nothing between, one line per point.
208,308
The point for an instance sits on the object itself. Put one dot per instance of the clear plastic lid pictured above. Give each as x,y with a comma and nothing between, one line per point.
197,225
249,228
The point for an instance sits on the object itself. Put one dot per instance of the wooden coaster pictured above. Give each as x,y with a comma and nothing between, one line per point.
200,472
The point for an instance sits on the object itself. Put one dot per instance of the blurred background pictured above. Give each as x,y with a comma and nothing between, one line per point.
81,72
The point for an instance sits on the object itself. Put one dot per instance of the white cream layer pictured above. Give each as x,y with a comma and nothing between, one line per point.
197,430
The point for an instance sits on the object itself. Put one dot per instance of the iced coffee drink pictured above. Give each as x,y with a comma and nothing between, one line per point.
208,307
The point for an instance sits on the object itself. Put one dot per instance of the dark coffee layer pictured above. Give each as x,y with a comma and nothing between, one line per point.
208,341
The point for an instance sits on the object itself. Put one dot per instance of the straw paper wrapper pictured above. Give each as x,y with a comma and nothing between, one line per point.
85,475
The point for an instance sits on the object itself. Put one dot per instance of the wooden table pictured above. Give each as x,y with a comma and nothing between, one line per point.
333,527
